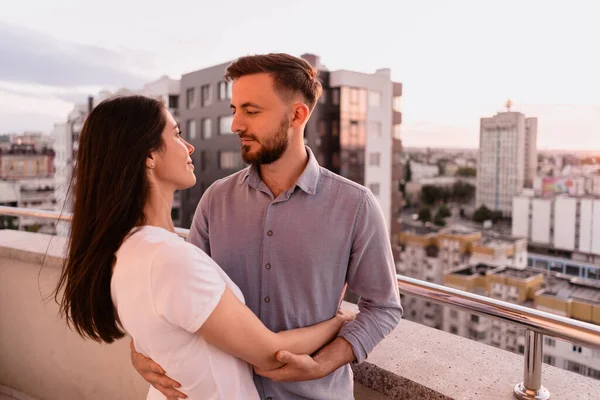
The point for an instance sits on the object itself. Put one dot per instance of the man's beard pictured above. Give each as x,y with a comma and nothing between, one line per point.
271,149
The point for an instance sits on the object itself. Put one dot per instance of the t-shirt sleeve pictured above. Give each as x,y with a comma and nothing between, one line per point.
186,286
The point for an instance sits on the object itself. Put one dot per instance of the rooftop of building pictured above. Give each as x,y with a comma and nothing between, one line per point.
518,273
459,230
26,149
566,287
476,269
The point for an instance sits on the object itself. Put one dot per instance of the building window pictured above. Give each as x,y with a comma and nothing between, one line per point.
335,128
374,187
191,129
230,160
224,92
576,367
453,329
550,360
550,342
190,98
335,96
475,318
593,373
397,131
206,128
374,99
225,125
173,101
322,128
323,98
374,159
453,314
203,160
353,129
206,95
354,96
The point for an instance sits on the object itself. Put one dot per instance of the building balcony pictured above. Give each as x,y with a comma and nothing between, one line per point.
44,360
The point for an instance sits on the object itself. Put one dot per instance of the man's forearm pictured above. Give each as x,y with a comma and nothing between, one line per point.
335,355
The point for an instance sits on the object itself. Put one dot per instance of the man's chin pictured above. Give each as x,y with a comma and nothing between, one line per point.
249,157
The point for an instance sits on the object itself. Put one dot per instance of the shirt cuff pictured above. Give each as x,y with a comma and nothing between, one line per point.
351,336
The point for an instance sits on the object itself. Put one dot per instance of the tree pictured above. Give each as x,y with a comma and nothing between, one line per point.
430,194
482,214
424,214
444,211
7,222
439,219
466,172
496,216
463,192
408,172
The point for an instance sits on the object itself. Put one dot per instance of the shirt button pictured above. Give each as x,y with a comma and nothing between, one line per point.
267,299
268,266
270,233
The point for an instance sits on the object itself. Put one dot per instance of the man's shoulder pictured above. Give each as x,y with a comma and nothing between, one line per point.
337,182
224,184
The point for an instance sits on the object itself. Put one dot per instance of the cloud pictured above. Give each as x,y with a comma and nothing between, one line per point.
30,57
13,122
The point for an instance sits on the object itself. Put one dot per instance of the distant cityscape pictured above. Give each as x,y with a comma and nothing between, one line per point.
505,219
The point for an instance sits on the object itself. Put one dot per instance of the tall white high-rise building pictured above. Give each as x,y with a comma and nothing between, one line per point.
507,159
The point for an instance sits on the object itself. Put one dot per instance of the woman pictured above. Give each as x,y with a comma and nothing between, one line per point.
127,271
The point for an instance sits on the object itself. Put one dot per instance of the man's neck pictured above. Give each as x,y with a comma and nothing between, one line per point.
282,174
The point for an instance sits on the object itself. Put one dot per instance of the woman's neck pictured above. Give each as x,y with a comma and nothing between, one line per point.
157,209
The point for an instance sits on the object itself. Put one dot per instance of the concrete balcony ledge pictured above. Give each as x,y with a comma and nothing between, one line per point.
41,357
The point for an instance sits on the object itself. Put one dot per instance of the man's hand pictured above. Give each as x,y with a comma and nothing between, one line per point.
155,375
297,368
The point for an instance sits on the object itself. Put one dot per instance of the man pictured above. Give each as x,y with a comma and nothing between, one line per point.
292,234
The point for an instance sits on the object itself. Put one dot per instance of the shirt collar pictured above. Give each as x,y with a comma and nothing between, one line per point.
307,181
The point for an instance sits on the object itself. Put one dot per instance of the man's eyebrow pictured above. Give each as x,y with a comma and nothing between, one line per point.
246,105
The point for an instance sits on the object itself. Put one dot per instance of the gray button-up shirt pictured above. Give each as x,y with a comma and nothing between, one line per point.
292,255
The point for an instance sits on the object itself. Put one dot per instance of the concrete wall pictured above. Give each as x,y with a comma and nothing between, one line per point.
520,216
564,222
540,226
39,355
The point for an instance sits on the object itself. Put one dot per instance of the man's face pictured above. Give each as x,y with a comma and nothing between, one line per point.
261,119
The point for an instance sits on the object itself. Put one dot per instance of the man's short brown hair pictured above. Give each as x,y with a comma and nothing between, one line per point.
291,74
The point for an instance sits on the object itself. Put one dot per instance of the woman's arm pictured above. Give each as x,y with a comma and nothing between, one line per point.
233,328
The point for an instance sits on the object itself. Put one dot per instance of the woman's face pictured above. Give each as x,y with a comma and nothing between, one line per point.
173,168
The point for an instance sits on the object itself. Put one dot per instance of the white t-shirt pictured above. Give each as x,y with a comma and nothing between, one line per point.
163,290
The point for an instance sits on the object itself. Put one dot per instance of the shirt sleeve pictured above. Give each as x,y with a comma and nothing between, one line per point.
372,276
198,235
186,285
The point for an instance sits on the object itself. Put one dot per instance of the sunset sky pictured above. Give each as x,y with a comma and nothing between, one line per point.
458,60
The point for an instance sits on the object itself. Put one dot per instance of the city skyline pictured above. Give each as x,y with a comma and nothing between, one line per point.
458,62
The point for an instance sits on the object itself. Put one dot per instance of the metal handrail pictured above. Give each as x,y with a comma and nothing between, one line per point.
536,323
545,323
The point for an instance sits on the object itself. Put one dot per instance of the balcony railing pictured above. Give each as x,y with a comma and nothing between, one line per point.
537,324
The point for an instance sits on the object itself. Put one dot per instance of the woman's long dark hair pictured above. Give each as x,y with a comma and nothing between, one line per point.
110,189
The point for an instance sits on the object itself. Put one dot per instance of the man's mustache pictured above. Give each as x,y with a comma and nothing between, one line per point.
247,136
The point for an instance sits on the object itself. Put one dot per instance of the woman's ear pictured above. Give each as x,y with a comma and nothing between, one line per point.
150,163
